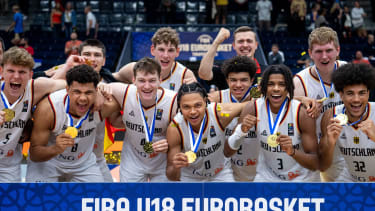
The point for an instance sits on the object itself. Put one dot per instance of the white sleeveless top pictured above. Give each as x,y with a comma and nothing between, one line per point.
173,82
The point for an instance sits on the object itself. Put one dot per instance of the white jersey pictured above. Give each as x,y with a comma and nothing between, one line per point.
210,153
274,164
81,152
175,80
245,160
10,132
357,149
133,156
312,88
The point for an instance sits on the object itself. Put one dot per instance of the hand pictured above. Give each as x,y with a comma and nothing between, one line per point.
99,102
2,117
286,144
222,35
333,131
74,60
313,107
188,80
160,146
180,160
248,122
63,141
105,90
368,127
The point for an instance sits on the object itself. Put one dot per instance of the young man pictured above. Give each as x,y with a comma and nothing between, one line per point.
355,137
165,50
288,142
315,83
201,158
148,109
244,43
19,95
64,131
239,72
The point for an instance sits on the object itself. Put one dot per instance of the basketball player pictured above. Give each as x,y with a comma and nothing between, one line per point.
64,132
196,137
148,109
355,134
165,50
19,94
315,83
239,72
288,143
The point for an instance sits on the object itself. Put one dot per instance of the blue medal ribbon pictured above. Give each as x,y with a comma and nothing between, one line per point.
194,143
322,82
274,125
244,96
360,119
5,99
80,121
149,131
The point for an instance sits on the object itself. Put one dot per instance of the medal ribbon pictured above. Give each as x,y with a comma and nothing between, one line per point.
360,119
244,96
275,125
149,131
5,99
80,121
322,82
194,143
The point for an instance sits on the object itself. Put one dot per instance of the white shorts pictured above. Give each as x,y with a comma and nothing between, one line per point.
130,175
107,176
225,175
10,174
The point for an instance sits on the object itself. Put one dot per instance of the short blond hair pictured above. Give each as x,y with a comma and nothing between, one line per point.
18,56
323,35
166,35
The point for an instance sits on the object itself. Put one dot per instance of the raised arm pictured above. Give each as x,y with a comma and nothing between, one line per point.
228,111
125,74
44,86
207,62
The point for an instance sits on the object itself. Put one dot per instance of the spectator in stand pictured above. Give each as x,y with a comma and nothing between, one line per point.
17,24
297,19
2,49
314,15
334,17
72,46
152,14
69,19
321,20
264,8
56,20
359,58
222,9
358,13
369,50
275,56
346,22
24,43
4,7
168,11
91,24
304,61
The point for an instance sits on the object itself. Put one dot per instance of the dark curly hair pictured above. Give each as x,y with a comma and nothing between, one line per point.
82,74
353,74
194,87
239,64
277,69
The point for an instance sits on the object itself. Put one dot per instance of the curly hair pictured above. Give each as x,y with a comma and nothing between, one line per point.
82,74
18,56
166,35
239,64
353,74
277,69
194,87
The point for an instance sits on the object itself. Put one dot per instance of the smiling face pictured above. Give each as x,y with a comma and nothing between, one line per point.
166,55
95,56
239,83
355,98
147,86
245,44
324,56
16,78
193,108
276,91
82,97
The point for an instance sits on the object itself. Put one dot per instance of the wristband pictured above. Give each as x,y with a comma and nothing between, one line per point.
236,139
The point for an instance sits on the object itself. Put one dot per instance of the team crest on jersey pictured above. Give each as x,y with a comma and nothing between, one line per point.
264,133
91,117
132,114
159,114
204,140
25,106
356,139
212,131
343,136
290,129
172,86
10,153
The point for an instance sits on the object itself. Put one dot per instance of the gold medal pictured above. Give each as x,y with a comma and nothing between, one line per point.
147,147
342,118
255,92
88,62
271,140
322,100
331,95
72,131
9,114
191,156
